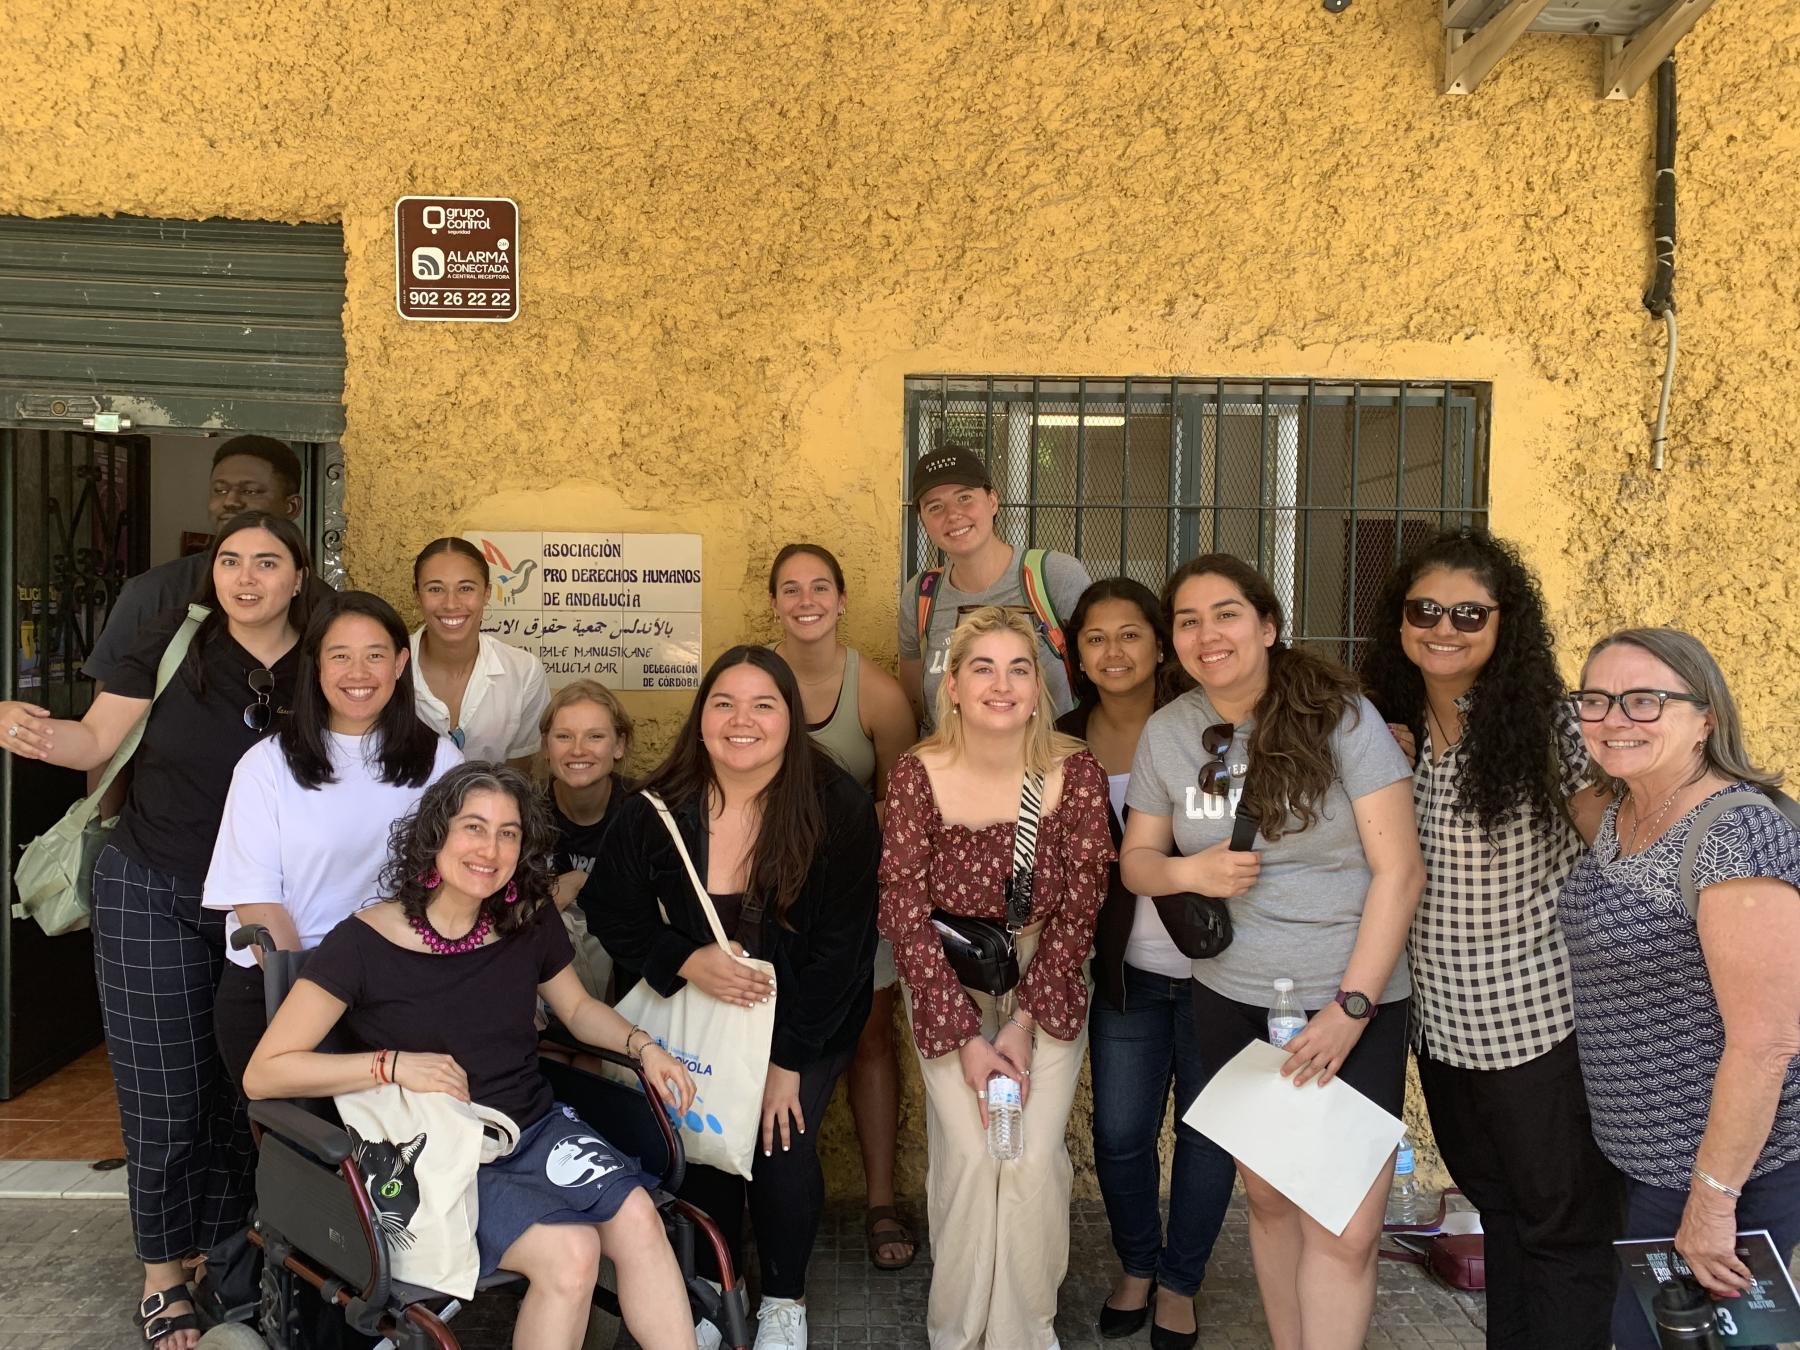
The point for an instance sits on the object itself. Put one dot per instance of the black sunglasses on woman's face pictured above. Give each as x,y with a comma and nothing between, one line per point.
1468,617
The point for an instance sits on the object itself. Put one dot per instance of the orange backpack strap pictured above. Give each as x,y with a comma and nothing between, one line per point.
926,597
1043,609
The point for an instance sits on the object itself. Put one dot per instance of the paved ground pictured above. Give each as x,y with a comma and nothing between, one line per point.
66,1281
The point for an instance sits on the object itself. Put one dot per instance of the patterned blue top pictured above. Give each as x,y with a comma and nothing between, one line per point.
1646,1021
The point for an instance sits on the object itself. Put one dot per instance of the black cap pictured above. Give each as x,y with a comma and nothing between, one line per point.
949,464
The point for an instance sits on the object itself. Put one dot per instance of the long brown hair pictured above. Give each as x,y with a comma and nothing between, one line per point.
790,826
1306,697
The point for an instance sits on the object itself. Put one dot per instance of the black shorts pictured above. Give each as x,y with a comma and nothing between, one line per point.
1376,1066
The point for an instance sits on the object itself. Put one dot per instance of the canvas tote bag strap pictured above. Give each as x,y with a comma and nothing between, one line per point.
172,657
1025,835
706,904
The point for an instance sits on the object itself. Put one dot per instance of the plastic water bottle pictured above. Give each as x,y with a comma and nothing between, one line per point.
1403,1195
1287,1019
1006,1124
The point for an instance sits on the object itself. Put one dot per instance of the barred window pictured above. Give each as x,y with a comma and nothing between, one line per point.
1322,484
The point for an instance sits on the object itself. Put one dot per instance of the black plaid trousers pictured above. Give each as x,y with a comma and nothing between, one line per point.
157,958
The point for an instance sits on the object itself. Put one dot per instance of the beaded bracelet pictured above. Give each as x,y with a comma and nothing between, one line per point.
1717,1185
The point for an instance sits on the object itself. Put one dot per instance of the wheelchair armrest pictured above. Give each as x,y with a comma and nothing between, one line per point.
252,935
325,1141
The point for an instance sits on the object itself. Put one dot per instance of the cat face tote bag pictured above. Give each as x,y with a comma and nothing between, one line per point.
417,1153
725,1048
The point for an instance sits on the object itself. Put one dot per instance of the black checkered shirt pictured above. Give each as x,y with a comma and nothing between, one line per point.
1490,971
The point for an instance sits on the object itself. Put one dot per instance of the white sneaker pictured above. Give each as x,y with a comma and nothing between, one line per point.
781,1325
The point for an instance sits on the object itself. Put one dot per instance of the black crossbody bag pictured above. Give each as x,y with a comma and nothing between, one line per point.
984,953
1200,925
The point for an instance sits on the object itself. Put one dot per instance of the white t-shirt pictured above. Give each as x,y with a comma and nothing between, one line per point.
1149,947
507,694
315,852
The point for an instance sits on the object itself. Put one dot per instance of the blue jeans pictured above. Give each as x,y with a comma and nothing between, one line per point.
1771,1201
1136,1054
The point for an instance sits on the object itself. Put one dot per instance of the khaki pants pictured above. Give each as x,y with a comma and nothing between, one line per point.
999,1231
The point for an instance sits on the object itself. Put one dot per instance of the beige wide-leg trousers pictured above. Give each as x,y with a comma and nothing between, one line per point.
999,1231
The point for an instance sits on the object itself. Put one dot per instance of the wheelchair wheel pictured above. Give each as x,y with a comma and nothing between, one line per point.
603,1328
232,1336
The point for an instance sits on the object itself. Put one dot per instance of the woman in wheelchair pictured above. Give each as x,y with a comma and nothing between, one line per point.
440,983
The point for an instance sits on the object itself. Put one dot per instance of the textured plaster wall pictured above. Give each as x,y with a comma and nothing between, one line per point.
744,224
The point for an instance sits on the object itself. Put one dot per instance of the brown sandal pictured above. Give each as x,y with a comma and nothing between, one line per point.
884,1228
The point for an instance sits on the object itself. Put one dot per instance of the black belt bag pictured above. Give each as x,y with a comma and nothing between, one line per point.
984,953
1200,925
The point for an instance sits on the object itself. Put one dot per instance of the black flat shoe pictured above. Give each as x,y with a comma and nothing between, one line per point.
1161,1338
1118,1323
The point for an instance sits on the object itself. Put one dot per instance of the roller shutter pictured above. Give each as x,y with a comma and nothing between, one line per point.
219,324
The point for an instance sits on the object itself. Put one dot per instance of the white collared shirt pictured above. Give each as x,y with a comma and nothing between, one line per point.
507,694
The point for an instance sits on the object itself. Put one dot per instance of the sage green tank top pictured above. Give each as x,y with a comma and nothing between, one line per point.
843,737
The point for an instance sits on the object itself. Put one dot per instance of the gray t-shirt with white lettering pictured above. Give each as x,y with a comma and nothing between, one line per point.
1066,578
1300,918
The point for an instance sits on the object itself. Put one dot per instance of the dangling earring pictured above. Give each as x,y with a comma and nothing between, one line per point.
1034,712
430,879
512,893
956,710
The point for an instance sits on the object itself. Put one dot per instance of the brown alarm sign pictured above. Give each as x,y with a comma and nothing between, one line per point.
457,259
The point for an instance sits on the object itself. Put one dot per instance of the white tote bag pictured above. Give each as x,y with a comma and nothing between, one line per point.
417,1153
725,1048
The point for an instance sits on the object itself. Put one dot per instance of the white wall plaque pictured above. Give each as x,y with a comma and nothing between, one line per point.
623,609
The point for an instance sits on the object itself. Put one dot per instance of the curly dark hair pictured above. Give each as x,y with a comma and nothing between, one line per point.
1509,758
418,836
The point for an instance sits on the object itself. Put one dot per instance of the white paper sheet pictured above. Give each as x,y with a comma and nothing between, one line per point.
1321,1147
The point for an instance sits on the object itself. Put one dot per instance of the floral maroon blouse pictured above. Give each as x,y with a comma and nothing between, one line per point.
927,864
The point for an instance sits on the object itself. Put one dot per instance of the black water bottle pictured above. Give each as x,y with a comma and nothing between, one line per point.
1684,1316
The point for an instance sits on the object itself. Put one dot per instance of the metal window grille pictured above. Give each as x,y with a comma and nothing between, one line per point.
1322,484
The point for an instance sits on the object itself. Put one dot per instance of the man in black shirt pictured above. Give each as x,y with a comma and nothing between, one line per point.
250,473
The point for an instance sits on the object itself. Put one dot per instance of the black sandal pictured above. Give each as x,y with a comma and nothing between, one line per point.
156,1325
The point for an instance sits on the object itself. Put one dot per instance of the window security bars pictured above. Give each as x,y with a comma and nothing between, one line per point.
1322,484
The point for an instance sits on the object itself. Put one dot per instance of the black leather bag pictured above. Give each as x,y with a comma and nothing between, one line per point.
1200,925
984,953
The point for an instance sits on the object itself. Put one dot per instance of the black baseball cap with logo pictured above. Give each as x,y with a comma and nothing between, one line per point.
949,464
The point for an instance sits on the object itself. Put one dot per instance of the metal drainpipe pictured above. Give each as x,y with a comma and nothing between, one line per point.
1660,298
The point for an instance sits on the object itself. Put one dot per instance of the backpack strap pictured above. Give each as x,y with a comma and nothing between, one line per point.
1037,595
173,655
1718,806
925,596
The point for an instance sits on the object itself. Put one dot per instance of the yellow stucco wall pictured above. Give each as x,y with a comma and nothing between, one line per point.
744,224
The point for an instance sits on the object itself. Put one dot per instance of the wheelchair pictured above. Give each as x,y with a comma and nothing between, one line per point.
320,1238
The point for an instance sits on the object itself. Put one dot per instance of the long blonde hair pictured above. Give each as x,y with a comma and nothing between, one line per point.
1045,746
580,691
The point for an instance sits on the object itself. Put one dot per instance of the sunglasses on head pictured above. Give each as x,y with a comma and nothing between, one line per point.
1215,778
258,715
1468,617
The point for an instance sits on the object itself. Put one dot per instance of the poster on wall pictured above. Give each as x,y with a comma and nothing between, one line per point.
623,609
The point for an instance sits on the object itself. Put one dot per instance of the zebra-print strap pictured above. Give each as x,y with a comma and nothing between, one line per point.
1025,835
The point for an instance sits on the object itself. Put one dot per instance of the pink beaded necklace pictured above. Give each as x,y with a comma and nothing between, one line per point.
442,945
